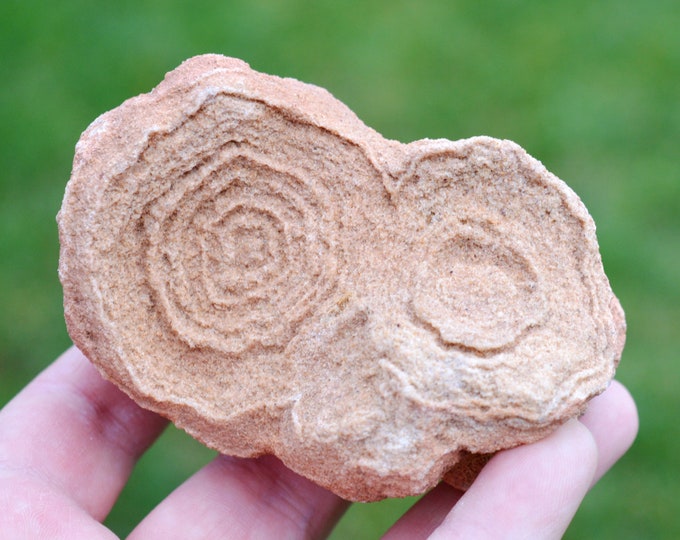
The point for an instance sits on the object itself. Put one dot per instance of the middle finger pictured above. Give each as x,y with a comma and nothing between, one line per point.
243,498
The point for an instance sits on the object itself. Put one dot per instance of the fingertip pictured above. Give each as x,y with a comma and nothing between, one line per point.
580,447
531,491
613,421
629,421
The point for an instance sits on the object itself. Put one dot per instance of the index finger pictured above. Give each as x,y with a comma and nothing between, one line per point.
76,433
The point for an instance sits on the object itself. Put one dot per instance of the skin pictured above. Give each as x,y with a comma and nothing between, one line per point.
70,439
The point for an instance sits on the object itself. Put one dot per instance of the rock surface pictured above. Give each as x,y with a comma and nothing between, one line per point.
241,254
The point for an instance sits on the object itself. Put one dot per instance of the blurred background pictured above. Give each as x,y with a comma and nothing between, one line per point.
591,88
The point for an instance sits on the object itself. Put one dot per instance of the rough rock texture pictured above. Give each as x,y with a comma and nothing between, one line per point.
240,253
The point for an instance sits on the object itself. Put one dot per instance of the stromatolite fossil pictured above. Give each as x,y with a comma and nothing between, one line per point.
241,254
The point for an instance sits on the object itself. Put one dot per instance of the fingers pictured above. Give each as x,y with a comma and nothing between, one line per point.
612,419
531,491
243,498
69,441
70,432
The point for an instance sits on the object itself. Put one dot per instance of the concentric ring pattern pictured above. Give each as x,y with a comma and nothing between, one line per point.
476,290
240,258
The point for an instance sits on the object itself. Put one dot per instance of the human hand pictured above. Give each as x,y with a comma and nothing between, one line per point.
69,441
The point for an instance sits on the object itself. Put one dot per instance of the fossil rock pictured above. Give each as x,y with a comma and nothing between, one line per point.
241,254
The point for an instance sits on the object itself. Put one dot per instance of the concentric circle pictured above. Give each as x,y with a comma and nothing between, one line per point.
240,252
477,290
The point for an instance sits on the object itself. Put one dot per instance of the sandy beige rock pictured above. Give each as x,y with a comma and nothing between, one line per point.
243,255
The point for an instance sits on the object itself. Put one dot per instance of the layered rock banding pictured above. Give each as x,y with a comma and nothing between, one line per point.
241,254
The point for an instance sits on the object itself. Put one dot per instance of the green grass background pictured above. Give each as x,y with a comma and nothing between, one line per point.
591,88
